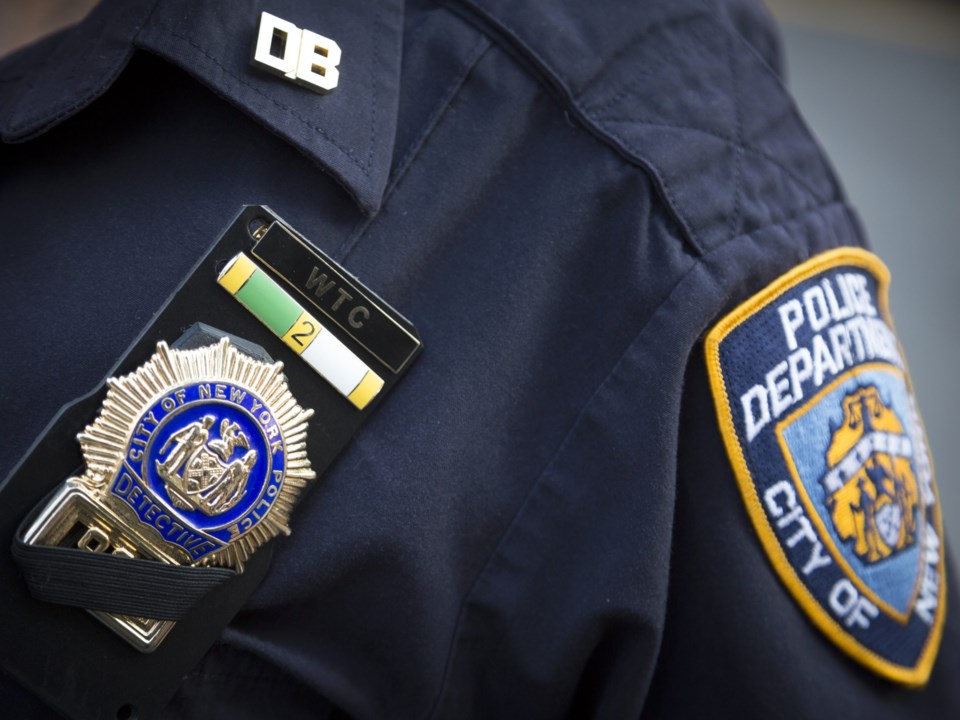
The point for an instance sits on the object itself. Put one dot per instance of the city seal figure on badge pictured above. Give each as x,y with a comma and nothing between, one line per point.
196,458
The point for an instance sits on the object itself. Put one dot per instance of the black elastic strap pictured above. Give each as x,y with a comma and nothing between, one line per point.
112,583
117,584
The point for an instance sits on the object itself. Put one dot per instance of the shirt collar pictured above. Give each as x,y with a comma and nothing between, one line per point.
349,132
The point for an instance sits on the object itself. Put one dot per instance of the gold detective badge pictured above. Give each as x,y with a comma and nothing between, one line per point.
196,458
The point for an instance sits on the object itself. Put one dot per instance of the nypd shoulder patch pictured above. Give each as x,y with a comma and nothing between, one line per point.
822,428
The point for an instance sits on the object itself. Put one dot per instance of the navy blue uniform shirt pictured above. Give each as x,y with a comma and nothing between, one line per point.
541,521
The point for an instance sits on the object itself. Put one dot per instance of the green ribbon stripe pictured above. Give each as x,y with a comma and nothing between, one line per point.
269,302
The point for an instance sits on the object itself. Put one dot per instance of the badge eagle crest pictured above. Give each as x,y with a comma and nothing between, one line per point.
822,428
196,458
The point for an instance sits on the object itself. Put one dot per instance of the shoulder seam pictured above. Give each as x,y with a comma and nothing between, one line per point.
511,42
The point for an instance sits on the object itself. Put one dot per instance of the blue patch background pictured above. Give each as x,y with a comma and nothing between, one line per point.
181,417
747,352
892,579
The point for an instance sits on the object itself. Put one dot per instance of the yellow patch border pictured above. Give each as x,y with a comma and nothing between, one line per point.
917,675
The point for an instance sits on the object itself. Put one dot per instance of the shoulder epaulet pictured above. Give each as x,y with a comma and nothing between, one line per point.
675,88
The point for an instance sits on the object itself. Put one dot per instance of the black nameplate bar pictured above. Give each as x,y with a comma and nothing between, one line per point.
389,337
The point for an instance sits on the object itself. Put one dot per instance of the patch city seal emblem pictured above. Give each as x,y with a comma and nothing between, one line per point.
196,458
822,428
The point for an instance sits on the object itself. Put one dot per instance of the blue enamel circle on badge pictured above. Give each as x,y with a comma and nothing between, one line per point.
204,465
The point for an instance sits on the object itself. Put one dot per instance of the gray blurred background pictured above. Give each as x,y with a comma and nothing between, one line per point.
878,81
879,84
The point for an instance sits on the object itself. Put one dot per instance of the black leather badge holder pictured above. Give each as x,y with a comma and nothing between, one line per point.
133,544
